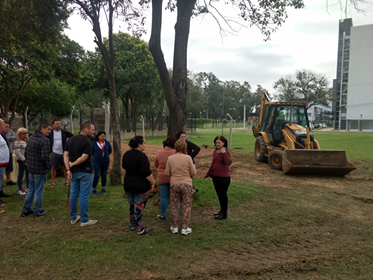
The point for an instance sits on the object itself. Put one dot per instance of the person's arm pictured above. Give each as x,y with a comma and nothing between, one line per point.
156,162
151,180
208,174
17,151
11,135
79,160
45,152
192,169
195,149
168,169
227,157
66,160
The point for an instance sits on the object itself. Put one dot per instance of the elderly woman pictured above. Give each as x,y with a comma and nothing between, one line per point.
160,161
220,173
101,160
138,182
19,150
180,168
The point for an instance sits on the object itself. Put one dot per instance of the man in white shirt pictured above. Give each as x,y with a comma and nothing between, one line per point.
58,138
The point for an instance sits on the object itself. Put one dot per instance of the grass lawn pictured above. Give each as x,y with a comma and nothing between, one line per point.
279,227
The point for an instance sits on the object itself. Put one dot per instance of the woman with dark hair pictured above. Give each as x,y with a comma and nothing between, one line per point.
101,160
138,182
220,173
160,161
181,169
192,149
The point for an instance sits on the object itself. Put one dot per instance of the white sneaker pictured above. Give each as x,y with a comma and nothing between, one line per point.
89,223
186,231
76,220
21,192
174,229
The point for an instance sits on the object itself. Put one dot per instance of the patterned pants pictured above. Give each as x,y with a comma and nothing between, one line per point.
185,193
137,202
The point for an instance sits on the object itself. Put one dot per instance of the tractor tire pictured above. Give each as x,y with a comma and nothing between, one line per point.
275,159
260,149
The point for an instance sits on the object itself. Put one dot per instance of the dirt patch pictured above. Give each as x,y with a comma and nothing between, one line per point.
306,252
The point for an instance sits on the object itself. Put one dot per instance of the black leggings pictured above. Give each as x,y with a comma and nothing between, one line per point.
221,185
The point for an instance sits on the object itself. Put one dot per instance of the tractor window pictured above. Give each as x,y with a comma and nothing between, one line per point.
300,115
268,117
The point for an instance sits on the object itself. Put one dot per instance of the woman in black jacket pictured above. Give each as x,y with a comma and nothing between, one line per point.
138,182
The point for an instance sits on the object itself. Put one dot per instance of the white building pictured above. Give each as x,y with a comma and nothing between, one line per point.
353,87
320,114
360,80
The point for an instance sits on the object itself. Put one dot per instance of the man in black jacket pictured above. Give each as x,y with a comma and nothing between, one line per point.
58,138
37,155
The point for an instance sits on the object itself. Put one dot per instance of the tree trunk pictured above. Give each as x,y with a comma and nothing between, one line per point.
109,60
175,90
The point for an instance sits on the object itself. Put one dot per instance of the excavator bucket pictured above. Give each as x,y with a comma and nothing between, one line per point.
316,162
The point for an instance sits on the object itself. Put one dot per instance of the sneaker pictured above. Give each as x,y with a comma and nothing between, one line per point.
94,192
89,223
103,191
40,213
26,213
10,183
145,231
161,218
186,231
174,229
21,192
76,220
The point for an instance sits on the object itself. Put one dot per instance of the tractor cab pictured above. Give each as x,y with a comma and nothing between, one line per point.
281,115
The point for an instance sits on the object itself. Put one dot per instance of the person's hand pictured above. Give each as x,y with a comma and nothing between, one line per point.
152,186
222,150
69,174
206,176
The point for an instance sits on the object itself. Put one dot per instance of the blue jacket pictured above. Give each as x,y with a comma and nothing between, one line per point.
97,152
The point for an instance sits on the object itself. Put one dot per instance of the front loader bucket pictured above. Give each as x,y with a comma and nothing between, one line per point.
316,162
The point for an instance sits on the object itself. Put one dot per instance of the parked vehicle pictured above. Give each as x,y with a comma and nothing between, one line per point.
284,140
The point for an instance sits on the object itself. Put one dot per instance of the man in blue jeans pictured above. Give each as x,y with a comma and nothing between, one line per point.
37,156
78,163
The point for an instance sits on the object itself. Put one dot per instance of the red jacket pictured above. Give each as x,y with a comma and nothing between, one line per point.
220,164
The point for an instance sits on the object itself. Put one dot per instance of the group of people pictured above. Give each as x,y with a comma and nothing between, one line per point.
84,158
44,152
176,168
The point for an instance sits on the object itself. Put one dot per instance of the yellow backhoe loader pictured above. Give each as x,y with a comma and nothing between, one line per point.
283,139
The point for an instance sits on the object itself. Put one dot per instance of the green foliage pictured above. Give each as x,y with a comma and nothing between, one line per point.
30,34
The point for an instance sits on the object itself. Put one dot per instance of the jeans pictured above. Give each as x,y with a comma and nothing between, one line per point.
165,197
81,184
35,192
22,168
2,173
100,169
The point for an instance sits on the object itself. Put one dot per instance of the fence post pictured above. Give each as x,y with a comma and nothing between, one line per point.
230,130
143,125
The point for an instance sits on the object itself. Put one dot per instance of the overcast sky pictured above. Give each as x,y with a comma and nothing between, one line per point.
308,40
